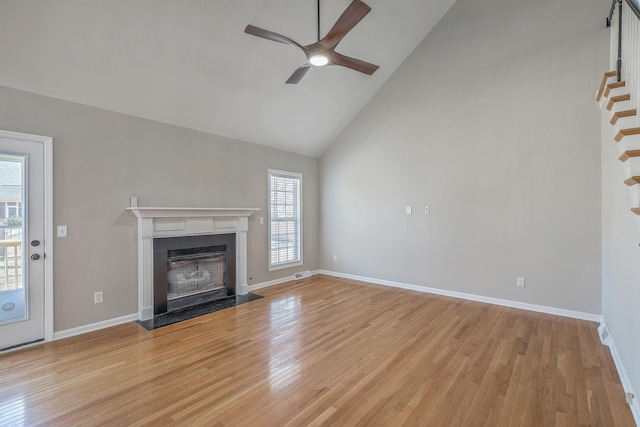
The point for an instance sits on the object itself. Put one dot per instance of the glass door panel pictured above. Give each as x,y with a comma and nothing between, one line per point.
13,289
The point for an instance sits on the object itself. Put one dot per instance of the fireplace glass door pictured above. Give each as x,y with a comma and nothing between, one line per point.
190,274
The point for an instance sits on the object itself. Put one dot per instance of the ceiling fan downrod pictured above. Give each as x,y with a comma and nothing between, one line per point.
318,20
318,59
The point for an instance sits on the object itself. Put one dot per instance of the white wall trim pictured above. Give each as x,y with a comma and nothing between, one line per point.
497,301
47,143
622,373
95,326
48,235
277,281
472,297
133,317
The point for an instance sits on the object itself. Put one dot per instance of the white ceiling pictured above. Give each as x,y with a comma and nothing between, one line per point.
189,62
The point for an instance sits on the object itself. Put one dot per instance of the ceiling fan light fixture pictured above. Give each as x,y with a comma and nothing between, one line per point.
322,52
319,60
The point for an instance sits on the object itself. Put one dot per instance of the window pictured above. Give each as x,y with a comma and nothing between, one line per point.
285,219
13,209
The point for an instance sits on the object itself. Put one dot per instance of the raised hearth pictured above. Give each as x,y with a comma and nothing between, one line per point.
156,223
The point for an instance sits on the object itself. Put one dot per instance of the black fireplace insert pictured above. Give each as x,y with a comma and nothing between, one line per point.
191,270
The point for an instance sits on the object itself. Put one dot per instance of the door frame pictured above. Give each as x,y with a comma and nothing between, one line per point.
47,144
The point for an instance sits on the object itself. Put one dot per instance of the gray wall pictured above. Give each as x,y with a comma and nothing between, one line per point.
101,158
620,255
491,122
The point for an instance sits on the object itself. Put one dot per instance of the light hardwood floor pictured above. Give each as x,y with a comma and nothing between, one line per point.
324,351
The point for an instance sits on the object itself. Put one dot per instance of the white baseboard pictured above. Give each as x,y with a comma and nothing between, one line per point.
507,303
622,373
276,282
133,317
472,297
94,326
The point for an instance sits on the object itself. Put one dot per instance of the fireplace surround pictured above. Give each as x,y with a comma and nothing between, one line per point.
190,270
166,222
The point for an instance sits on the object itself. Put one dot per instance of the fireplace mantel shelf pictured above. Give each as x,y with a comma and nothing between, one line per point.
165,212
176,222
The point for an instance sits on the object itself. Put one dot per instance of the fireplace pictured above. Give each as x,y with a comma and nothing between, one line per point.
191,270
161,223
196,270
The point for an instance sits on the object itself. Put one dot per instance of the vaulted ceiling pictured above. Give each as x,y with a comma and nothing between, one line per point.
189,62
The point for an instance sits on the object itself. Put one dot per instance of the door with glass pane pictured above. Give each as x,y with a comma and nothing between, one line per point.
22,289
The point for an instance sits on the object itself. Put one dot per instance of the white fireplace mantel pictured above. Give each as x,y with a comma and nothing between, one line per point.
175,222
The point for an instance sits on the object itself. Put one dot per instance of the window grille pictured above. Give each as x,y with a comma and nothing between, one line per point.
285,219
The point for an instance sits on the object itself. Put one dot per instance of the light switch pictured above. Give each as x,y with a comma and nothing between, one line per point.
62,231
408,210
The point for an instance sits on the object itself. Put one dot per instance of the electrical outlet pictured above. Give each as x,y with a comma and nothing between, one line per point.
261,220
98,297
335,258
427,209
520,282
408,210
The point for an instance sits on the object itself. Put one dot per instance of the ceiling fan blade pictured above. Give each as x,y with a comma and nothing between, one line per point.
270,35
349,19
353,63
298,75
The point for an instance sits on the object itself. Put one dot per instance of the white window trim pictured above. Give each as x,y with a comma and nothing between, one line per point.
289,174
13,205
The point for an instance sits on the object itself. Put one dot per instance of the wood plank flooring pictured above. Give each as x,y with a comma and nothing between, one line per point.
324,351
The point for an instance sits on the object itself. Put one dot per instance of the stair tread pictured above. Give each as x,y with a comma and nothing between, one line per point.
628,154
605,77
626,132
614,85
618,98
632,181
620,114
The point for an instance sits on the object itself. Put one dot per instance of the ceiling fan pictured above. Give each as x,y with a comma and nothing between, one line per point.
323,51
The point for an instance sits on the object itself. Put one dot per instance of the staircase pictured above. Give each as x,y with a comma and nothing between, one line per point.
615,99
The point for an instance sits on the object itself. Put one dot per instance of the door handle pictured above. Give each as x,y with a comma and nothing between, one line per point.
35,257
35,243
